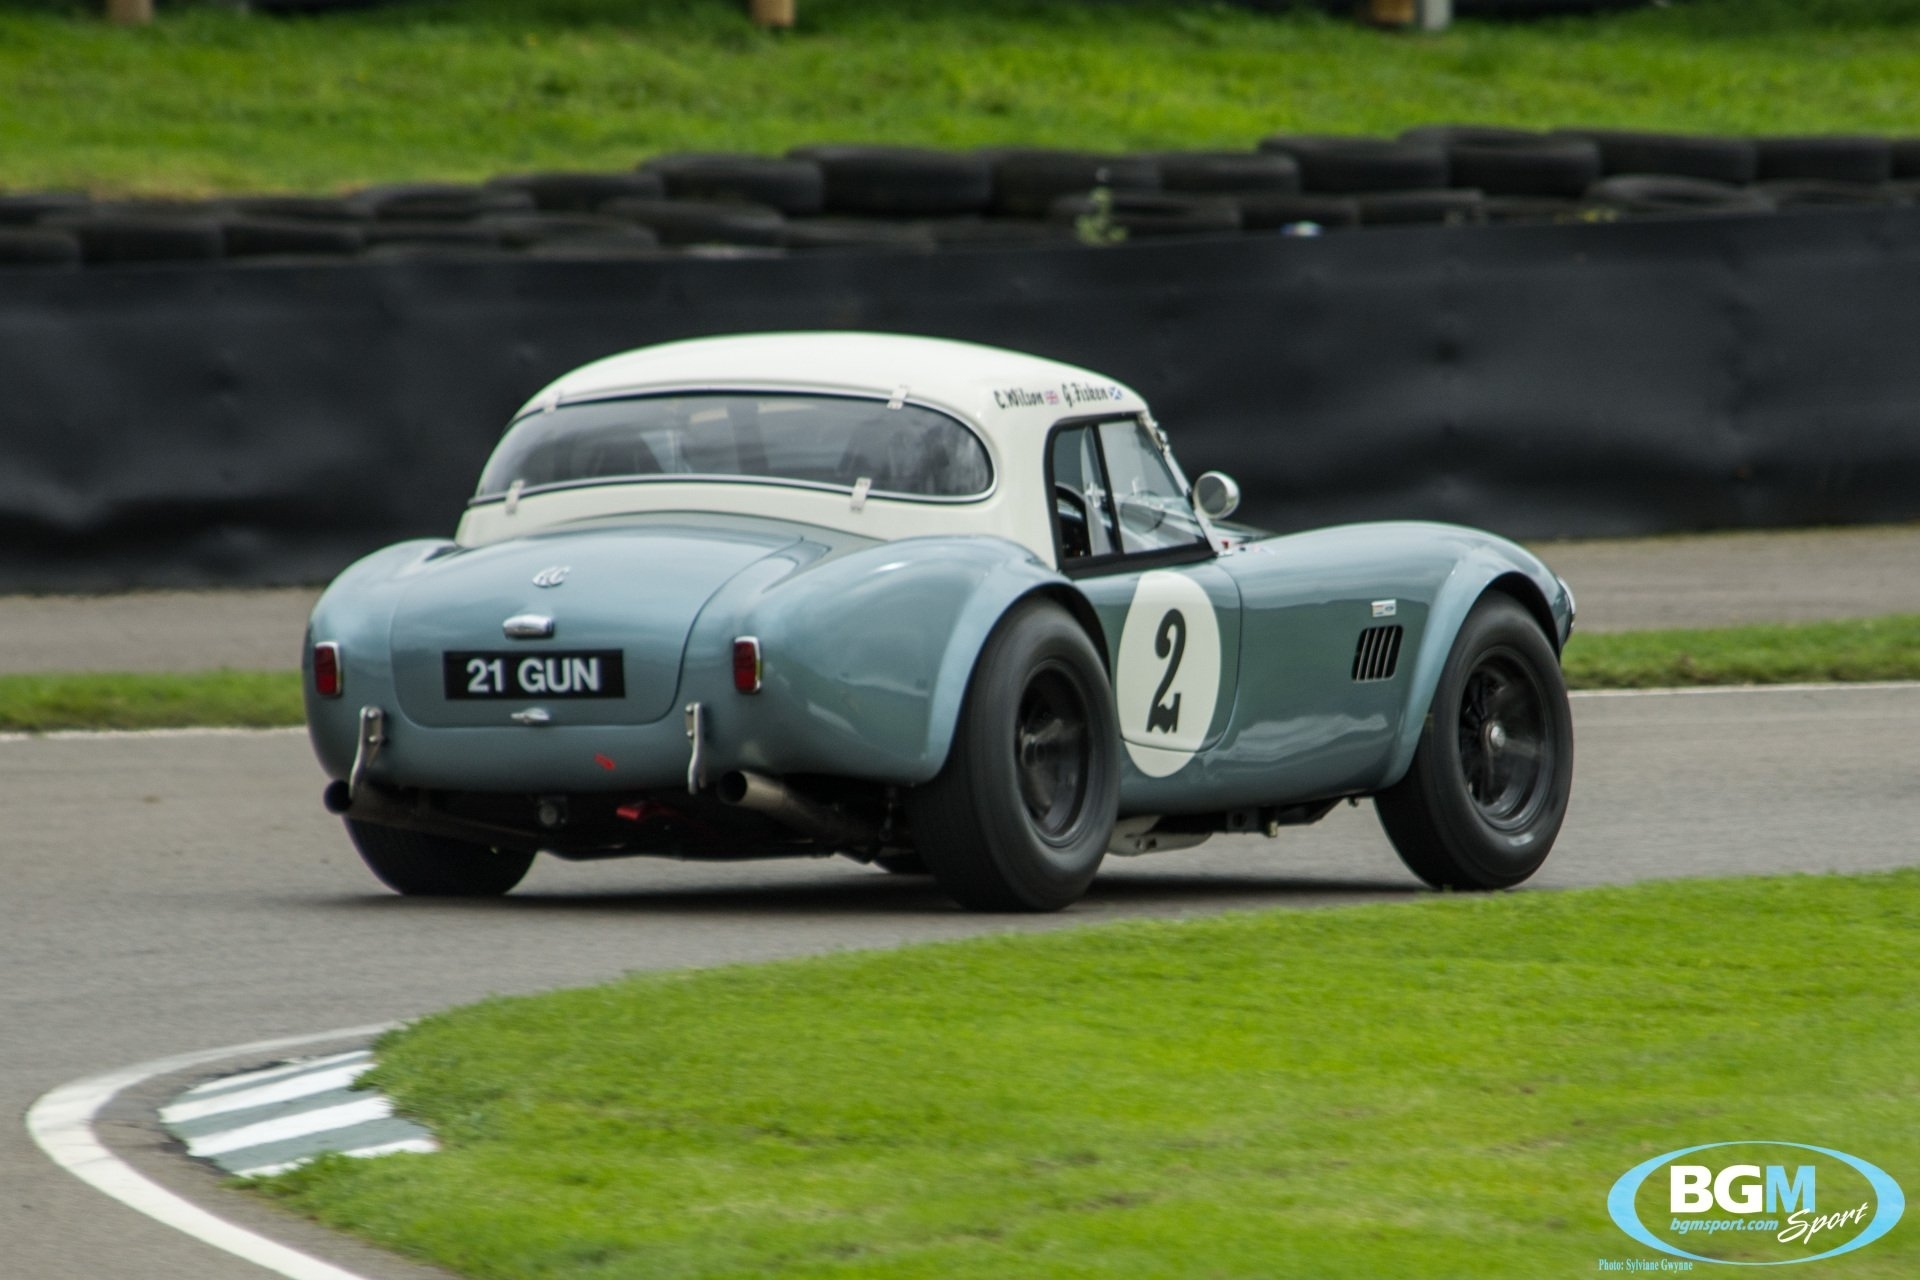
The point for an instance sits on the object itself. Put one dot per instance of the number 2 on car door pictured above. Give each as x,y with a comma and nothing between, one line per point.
1169,642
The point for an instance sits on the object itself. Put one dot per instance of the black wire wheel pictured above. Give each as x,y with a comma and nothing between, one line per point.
420,864
1020,816
1487,792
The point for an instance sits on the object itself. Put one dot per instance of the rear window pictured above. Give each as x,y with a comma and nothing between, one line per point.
782,439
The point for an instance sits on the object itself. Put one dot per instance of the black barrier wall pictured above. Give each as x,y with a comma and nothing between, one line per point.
267,424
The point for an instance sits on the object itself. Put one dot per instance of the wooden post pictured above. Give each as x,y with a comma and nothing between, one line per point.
771,13
130,13
1389,13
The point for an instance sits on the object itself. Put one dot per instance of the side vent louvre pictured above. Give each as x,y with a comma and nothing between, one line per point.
1378,654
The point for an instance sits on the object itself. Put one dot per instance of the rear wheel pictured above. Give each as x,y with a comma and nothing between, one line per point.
422,865
1488,789
1020,816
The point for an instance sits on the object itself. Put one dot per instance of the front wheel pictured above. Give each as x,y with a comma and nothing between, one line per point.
1486,795
422,865
1019,817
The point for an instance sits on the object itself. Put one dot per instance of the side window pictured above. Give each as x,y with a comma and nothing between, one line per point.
1080,501
1152,508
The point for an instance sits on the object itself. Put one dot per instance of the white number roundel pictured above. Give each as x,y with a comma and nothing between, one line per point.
1167,681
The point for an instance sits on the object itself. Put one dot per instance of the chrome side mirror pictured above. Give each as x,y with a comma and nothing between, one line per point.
1216,494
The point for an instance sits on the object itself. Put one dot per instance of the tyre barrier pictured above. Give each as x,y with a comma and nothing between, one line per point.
883,198
229,422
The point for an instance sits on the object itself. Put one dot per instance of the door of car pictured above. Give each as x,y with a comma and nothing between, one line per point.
1126,532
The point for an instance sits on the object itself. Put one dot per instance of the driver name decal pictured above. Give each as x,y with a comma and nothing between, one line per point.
1167,679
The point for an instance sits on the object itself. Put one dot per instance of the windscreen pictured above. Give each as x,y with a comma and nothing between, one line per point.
812,440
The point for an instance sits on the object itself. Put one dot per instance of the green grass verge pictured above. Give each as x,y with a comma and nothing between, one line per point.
1438,1089
254,699
1854,650
209,99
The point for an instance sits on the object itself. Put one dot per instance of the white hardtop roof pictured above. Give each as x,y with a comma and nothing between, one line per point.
979,382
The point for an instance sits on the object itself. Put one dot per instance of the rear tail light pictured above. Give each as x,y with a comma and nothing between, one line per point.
746,664
326,669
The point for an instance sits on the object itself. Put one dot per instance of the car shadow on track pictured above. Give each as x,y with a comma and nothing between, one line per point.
1130,894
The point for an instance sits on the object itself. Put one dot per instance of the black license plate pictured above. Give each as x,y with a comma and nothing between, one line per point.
552,673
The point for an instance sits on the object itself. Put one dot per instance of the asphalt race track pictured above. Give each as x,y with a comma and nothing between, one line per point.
1624,584
174,892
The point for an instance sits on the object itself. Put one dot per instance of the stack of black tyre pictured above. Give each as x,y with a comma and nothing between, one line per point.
862,198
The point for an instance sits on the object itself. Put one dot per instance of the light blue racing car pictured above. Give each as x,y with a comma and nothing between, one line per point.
942,608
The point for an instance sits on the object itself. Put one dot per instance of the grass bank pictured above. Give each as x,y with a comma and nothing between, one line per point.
1446,1088
1853,650
1850,650
245,699
209,99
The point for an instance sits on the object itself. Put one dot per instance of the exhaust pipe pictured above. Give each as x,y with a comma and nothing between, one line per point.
411,811
776,800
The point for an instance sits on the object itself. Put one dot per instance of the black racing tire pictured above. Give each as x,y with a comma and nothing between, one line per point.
1673,155
903,864
24,208
1807,193
439,201
1019,817
1406,208
255,237
794,187
434,251
1486,794
1268,212
900,181
1152,213
38,247
597,248
700,222
524,230
477,233
1539,166
1028,181
1229,173
418,864
1906,157
138,237
871,234
1348,166
1825,158
331,209
1445,135
1633,194
570,192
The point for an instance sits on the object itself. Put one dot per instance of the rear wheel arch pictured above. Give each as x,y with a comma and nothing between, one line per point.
1020,814
1083,612
957,673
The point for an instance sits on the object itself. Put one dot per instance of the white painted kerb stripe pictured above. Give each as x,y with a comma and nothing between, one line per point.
251,1078
299,1086
423,1146
301,1125
61,1122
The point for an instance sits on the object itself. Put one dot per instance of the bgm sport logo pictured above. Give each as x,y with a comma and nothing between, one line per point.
1754,1204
